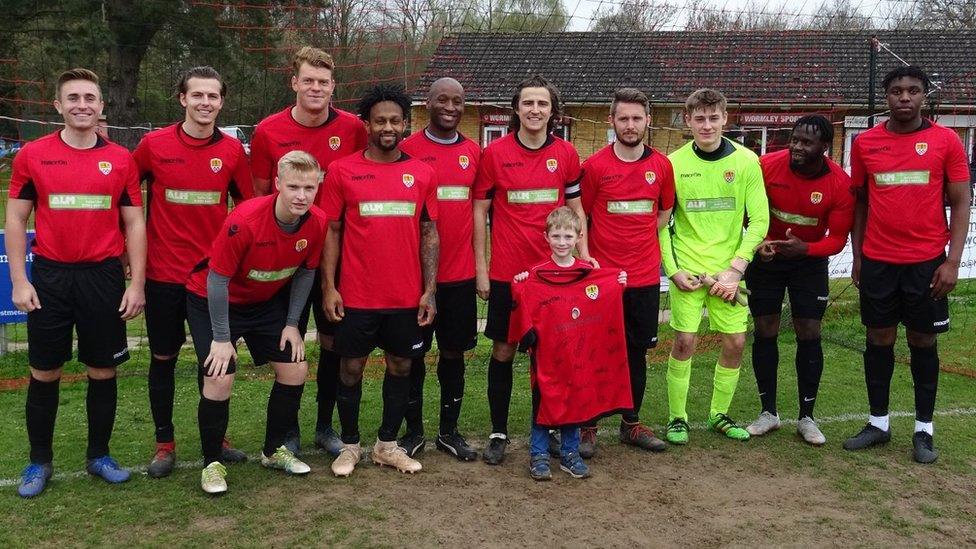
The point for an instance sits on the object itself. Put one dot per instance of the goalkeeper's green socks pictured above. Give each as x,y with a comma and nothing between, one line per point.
725,382
679,376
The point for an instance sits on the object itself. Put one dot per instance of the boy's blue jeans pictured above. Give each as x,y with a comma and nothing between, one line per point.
569,438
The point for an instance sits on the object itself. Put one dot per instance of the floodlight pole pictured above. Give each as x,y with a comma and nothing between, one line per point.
872,68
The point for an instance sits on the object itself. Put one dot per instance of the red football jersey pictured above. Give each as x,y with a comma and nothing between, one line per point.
257,256
381,206
574,320
905,175
341,135
622,200
525,186
189,183
77,194
456,165
819,211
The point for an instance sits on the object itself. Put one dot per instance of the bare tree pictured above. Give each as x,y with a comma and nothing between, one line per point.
839,15
935,14
636,16
705,16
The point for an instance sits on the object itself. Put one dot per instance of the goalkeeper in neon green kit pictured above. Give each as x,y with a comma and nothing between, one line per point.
718,185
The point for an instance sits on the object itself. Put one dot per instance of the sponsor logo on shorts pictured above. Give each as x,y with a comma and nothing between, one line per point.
921,148
794,219
592,291
650,177
816,197
938,323
271,276
79,201
537,196
453,193
729,176
552,165
630,206
393,208
121,353
917,177
417,345
193,198
408,180
575,313
301,244
216,164
464,162
105,167
335,142
823,298
721,204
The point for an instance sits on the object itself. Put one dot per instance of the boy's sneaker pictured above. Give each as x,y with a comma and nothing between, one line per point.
587,447
229,454
162,463
763,424
869,436
349,457
494,452
328,440
555,447
721,423
924,451
453,443
286,461
393,455
539,467
213,478
573,464
807,428
413,443
34,479
677,431
639,435
107,469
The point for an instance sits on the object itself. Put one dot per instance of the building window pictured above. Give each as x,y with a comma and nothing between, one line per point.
761,139
492,132
561,131
849,136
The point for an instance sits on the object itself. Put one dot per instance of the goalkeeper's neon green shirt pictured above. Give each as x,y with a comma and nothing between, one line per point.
720,209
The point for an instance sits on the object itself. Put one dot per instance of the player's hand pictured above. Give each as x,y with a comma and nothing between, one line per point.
944,280
482,285
856,272
521,276
685,282
332,304
726,285
291,335
792,247
622,278
25,297
221,353
766,251
427,310
591,261
133,302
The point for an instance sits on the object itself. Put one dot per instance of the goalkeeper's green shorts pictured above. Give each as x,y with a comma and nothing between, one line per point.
723,317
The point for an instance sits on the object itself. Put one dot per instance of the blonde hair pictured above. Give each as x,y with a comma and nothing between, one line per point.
299,162
314,57
704,98
77,74
564,218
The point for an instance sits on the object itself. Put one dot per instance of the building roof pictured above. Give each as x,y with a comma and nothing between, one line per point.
767,67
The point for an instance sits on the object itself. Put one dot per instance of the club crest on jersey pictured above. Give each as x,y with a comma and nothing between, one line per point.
650,177
216,164
551,165
592,291
729,176
408,180
105,167
464,161
575,313
921,148
301,244
335,142
816,197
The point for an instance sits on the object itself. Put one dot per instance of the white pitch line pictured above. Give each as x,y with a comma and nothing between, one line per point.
842,418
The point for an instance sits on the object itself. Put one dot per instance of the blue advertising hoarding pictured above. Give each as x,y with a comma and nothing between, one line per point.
8,313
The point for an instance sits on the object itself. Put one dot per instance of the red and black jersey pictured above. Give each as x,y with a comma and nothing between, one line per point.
622,200
257,255
189,182
381,205
455,165
77,194
819,211
572,320
524,185
340,135
905,175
